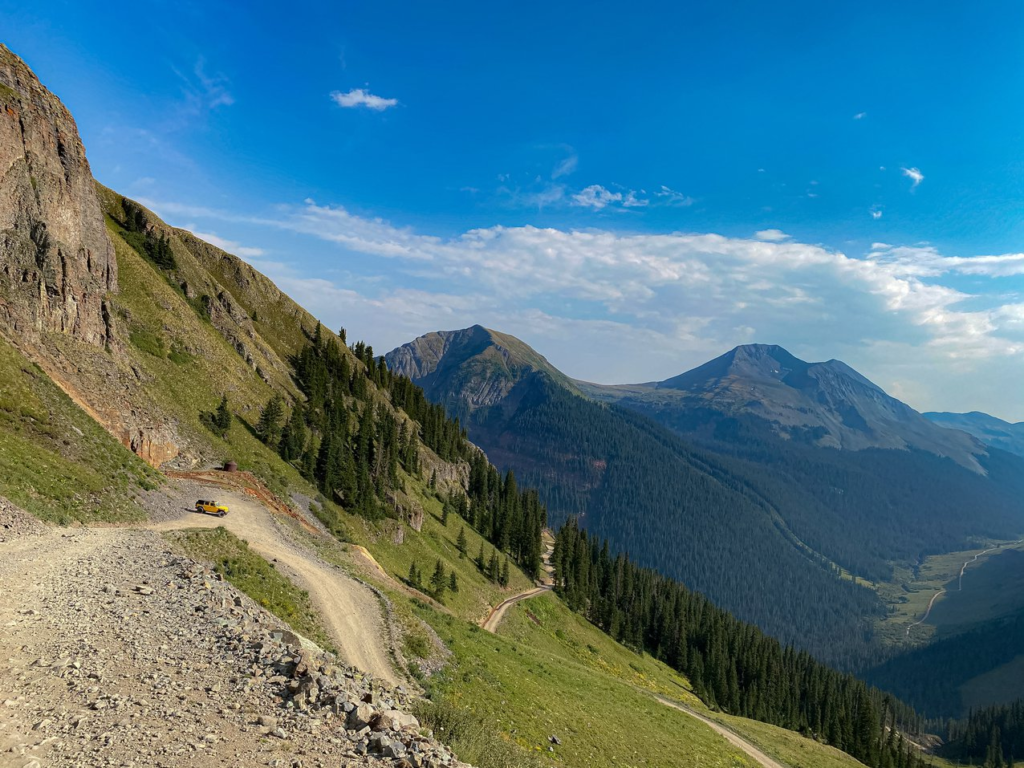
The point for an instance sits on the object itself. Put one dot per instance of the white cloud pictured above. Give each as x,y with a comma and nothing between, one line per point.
771,235
565,166
597,197
632,201
231,246
215,87
358,97
671,197
914,175
876,214
860,115
202,93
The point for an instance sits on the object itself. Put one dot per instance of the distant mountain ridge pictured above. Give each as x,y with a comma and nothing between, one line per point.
756,457
826,404
988,429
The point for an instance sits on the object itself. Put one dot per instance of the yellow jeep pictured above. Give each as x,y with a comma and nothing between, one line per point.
211,508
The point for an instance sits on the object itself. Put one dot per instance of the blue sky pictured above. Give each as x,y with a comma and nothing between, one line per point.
631,188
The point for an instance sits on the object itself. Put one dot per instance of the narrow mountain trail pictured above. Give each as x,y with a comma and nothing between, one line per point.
733,738
350,611
498,612
546,583
960,584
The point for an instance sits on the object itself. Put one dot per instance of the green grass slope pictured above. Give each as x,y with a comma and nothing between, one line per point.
57,462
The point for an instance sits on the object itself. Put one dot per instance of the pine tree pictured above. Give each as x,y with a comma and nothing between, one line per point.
414,576
445,510
293,436
503,579
460,543
480,562
222,418
494,568
438,581
453,582
269,426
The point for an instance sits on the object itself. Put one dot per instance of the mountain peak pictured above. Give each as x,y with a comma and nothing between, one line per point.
482,364
762,362
828,404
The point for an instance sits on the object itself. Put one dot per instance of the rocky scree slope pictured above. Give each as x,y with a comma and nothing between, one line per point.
116,650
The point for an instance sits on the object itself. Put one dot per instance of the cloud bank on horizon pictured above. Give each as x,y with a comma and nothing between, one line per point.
619,307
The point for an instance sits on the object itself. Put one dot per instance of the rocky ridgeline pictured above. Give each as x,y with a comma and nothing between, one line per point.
117,652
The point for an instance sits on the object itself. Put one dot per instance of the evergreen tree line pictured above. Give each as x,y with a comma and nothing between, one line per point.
351,445
992,737
676,509
732,665
441,581
137,233
911,676
861,509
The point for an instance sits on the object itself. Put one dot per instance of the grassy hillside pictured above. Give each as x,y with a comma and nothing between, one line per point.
56,461
550,672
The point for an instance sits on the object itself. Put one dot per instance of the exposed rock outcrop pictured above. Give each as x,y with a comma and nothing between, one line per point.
56,262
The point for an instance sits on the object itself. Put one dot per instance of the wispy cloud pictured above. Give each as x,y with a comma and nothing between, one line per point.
875,213
359,97
201,92
631,200
915,176
565,166
231,246
772,235
670,197
860,115
214,87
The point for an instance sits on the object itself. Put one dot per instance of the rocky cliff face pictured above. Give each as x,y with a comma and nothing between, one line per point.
56,262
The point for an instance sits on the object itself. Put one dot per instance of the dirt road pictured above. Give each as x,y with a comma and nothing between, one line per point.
545,584
960,585
498,612
115,650
734,739
350,611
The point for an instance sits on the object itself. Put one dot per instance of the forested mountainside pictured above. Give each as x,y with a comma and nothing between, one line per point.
672,507
914,676
992,737
732,665
988,429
